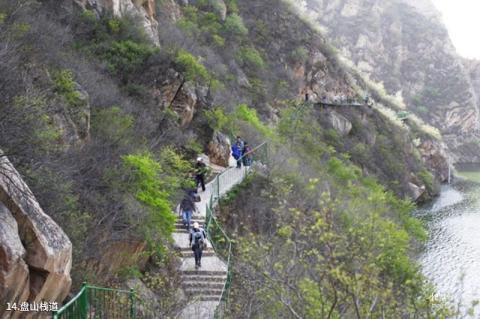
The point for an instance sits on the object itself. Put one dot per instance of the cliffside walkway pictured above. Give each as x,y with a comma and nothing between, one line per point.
208,286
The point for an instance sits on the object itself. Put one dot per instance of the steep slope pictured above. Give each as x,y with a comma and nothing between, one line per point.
107,115
405,46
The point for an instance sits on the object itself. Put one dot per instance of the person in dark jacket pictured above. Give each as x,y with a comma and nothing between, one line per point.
200,172
197,241
247,155
187,208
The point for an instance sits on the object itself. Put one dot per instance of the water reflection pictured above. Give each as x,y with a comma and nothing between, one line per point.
451,259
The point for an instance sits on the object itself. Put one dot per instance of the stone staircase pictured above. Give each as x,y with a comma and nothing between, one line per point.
203,287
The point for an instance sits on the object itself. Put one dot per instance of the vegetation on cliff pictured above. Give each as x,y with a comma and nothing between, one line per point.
102,124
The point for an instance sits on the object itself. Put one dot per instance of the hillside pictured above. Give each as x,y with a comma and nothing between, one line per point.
106,104
404,46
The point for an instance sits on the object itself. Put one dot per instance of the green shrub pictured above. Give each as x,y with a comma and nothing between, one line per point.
66,87
218,41
155,184
299,55
114,25
232,6
113,125
217,119
251,58
234,25
125,56
428,180
3,16
250,116
191,67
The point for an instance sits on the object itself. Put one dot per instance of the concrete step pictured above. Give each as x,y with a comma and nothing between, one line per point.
201,272
203,285
200,278
190,249
189,254
203,292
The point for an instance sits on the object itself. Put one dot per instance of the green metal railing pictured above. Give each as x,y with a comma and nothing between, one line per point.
103,303
93,302
221,242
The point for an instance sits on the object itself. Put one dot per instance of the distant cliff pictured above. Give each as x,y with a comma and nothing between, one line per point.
404,45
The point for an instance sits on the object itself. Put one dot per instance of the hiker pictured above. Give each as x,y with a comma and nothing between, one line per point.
198,242
200,172
237,153
247,155
240,142
187,208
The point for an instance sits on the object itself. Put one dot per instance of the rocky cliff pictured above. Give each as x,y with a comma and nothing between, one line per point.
404,46
141,100
35,253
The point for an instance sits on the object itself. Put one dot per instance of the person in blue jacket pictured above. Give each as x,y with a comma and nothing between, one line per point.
237,153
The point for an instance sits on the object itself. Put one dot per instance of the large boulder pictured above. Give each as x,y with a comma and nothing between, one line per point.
219,149
14,283
30,242
340,123
182,97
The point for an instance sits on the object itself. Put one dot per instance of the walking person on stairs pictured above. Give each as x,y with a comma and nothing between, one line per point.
187,208
198,242
200,172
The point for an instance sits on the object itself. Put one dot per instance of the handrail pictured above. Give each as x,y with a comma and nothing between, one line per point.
82,305
68,304
211,219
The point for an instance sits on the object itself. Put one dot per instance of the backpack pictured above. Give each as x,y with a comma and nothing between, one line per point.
198,238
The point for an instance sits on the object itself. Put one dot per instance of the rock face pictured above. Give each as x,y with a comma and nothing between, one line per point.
143,10
35,253
435,157
182,97
404,45
342,125
219,149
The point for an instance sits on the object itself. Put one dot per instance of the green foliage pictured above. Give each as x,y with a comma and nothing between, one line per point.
65,86
125,56
299,55
114,25
428,180
251,58
250,116
154,183
3,16
232,6
191,67
218,40
112,124
234,25
218,120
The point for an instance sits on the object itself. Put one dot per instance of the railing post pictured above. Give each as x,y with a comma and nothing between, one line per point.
218,186
132,303
83,301
55,314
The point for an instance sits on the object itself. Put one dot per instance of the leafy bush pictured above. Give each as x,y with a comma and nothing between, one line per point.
299,55
192,69
155,183
251,58
113,125
66,87
217,119
234,25
125,56
250,116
